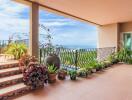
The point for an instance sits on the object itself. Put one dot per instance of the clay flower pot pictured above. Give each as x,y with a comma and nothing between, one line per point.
52,77
62,75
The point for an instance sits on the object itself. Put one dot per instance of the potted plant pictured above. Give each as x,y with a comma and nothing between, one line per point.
99,66
73,74
124,55
92,65
102,64
52,72
82,72
53,59
35,75
62,74
107,63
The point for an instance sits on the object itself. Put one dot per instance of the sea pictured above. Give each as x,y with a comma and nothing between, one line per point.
79,46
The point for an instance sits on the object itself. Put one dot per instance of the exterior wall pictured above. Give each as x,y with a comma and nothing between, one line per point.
108,36
112,35
126,27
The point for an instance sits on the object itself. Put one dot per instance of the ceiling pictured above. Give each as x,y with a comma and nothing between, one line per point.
100,12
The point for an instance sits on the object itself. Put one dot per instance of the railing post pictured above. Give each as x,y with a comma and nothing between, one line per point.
76,57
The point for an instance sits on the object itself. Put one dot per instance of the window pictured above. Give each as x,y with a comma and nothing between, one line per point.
128,40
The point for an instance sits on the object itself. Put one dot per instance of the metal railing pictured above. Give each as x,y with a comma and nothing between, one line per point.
77,57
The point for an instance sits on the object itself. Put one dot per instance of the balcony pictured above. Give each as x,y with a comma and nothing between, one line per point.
107,68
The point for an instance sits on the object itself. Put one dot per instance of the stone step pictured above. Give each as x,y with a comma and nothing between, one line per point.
9,72
11,80
13,91
8,65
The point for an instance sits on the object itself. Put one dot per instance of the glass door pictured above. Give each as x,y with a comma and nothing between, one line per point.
127,37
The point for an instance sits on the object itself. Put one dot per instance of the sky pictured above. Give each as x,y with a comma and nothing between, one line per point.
14,19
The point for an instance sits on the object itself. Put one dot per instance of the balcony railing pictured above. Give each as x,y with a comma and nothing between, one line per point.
70,57
77,57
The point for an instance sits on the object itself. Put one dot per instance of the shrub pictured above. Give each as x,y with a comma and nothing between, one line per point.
25,60
16,49
125,55
35,75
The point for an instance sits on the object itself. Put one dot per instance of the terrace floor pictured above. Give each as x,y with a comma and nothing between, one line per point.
112,84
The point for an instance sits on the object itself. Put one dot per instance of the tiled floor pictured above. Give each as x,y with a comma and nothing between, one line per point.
113,84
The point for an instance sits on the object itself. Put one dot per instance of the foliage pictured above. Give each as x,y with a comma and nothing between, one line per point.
125,55
25,60
82,72
113,58
52,69
35,75
73,74
53,59
16,49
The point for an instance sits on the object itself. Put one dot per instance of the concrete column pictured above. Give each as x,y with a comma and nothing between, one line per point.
34,30
108,36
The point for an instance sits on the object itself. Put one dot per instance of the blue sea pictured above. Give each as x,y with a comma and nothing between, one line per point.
79,46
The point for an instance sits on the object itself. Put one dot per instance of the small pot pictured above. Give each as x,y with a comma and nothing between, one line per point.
73,77
93,70
83,74
62,75
52,78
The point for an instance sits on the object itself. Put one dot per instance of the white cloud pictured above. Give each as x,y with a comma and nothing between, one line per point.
10,20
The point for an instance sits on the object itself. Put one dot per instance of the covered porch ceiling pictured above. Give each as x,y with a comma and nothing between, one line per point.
99,12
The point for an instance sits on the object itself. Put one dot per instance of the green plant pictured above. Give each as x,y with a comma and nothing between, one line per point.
52,69
95,65
124,55
35,75
82,72
16,49
73,74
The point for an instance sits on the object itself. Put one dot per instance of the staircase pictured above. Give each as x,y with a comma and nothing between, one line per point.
11,81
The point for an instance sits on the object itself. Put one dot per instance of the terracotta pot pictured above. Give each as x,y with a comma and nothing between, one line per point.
52,78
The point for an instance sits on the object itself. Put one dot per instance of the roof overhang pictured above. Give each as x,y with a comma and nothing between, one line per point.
98,12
